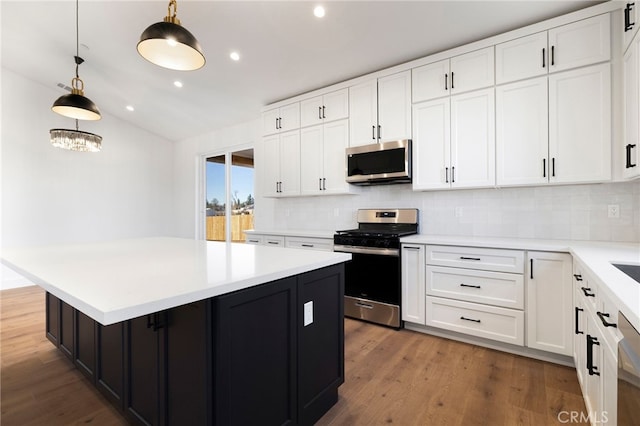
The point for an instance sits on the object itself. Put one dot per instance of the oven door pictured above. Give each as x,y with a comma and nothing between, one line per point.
372,288
628,374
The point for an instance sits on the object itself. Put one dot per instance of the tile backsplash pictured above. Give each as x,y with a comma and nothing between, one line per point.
577,212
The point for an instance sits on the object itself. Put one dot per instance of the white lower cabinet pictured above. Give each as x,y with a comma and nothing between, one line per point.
596,339
549,302
412,283
290,241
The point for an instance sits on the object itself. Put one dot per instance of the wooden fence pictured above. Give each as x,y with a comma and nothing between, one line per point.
239,222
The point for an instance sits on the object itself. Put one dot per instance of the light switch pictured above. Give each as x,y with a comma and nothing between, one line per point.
308,313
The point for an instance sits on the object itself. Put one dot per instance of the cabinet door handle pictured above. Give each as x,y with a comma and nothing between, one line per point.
276,124
553,167
578,277
452,80
323,116
531,268
628,148
373,132
470,286
578,310
553,55
446,175
379,131
544,167
470,319
324,184
453,169
587,292
320,184
470,258
591,342
628,25
319,113
446,80
606,323
543,58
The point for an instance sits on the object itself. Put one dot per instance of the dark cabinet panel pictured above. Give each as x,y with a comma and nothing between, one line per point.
255,364
321,342
110,362
142,369
52,319
85,344
66,329
188,380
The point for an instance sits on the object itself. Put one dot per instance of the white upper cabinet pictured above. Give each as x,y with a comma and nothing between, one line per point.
580,125
569,46
630,17
281,119
328,107
580,43
631,151
462,73
454,142
380,109
322,158
282,164
522,133
524,57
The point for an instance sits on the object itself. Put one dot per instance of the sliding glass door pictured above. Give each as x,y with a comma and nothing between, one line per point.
229,195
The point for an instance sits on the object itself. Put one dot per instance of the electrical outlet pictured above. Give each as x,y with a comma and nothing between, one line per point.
613,211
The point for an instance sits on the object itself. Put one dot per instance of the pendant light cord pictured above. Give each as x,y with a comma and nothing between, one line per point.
77,40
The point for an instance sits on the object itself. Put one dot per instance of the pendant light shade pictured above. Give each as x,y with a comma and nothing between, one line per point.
169,45
75,104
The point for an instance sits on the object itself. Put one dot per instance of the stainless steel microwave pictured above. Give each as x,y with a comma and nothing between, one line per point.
379,163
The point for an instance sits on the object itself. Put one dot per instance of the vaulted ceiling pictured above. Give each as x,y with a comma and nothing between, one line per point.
285,50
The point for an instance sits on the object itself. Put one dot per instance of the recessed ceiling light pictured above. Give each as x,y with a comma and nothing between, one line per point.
318,11
177,83
130,108
235,56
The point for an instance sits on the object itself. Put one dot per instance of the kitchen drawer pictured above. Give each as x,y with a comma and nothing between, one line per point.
325,244
490,322
476,258
273,240
493,288
254,239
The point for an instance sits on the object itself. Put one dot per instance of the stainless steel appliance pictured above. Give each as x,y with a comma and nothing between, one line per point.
372,277
628,374
379,163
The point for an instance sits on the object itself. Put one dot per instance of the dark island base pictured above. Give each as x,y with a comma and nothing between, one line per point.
244,358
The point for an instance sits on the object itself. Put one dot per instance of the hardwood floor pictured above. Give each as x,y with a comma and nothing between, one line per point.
398,377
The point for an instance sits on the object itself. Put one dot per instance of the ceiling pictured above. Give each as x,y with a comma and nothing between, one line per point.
285,50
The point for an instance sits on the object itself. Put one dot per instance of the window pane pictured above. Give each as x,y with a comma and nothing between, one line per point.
242,201
216,198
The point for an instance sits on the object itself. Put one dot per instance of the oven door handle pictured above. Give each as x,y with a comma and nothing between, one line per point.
367,250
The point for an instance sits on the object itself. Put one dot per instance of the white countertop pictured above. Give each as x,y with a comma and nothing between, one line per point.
293,233
597,257
119,280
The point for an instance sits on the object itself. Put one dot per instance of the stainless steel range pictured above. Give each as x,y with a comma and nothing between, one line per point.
372,277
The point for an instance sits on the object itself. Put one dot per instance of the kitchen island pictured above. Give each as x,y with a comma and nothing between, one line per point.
177,331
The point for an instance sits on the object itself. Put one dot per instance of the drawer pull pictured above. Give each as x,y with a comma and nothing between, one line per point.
254,241
307,245
587,292
469,285
273,242
470,319
578,277
470,258
364,305
606,323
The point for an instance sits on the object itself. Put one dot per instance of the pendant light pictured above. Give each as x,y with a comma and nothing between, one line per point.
75,140
169,45
75,104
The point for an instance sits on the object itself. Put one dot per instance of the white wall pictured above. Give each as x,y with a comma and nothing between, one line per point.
50,195
553,212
